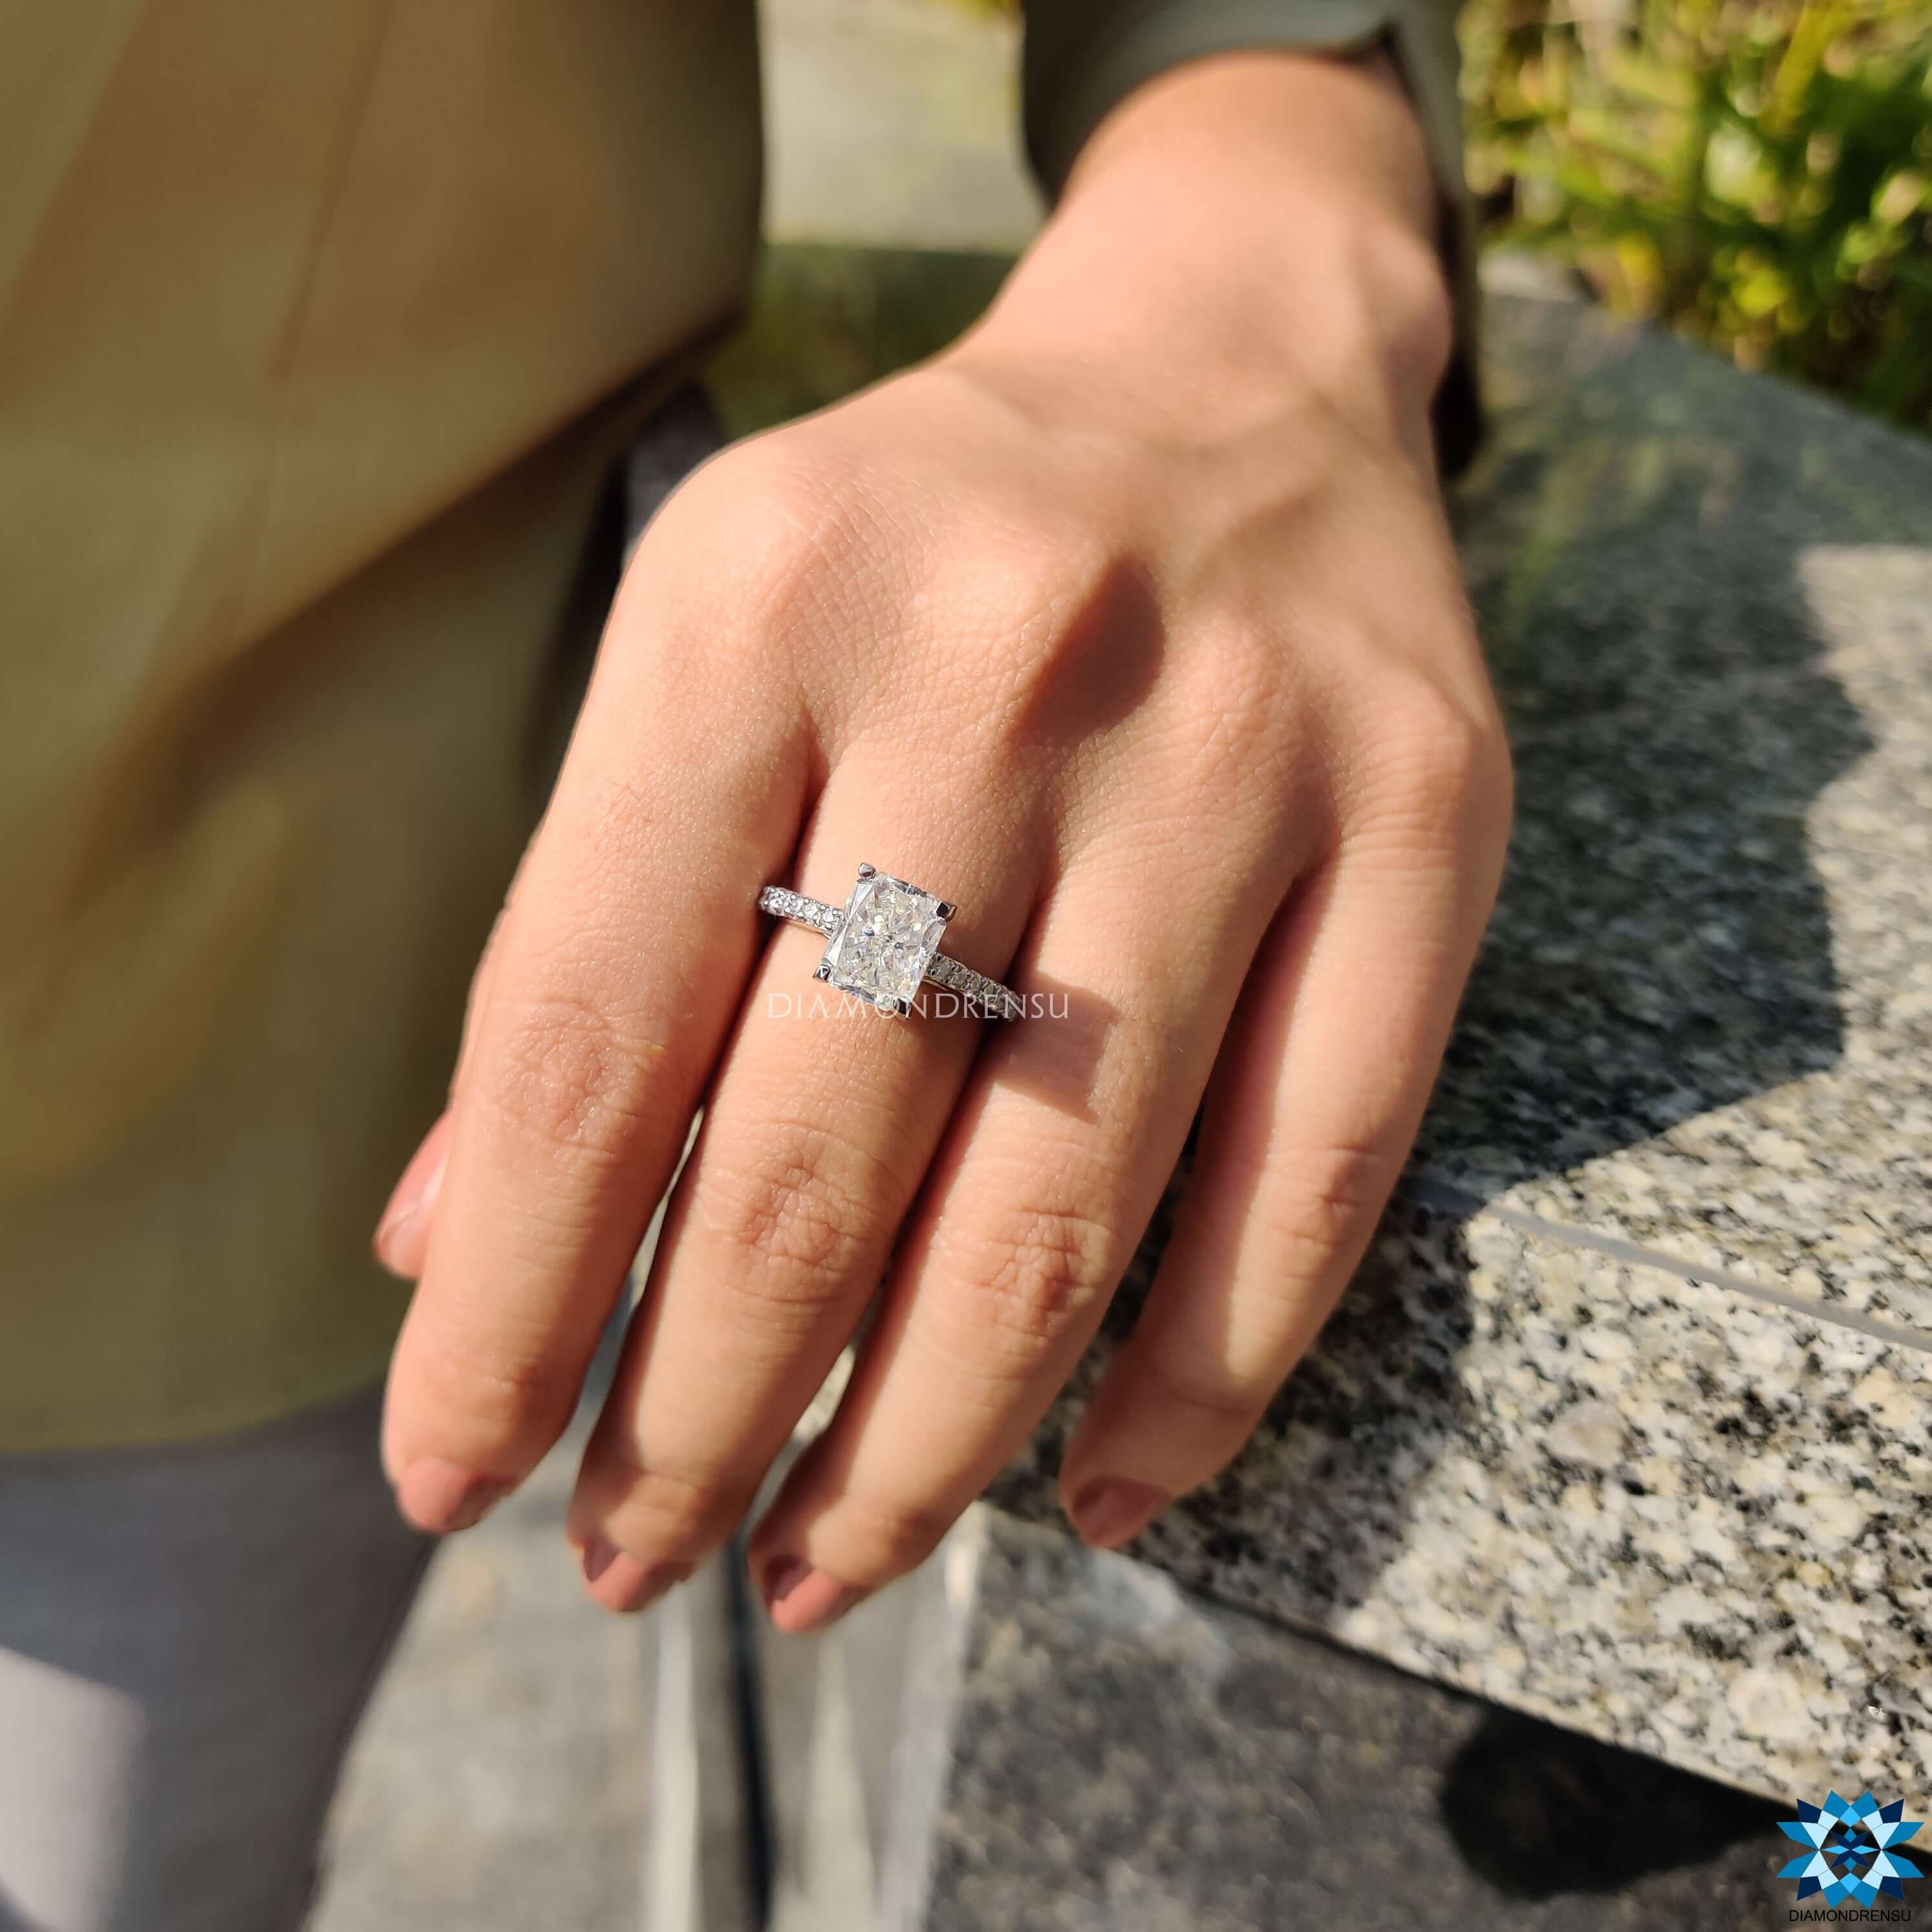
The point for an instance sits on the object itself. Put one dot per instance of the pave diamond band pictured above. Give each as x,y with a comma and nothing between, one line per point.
801,910
1002,1003
884,945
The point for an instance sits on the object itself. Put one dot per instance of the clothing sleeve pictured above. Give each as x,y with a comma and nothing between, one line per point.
1083,57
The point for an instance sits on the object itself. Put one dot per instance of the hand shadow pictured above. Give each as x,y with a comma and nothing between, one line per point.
1539,1812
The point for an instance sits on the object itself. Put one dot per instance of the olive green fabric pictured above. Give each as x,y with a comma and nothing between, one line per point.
320,329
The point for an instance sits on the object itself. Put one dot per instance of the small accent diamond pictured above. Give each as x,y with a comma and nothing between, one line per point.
795,905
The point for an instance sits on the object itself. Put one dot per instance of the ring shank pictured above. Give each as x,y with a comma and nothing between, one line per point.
980,994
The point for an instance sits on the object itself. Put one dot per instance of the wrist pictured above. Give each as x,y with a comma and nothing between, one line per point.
1245,230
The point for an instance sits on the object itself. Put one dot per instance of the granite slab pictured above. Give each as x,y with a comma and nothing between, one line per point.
1643,1507
1124,1754
1626,1422
502,1776
1703,1019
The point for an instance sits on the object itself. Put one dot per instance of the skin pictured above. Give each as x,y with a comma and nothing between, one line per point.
1131,623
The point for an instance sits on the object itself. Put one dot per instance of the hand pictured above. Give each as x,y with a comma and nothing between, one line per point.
1132,625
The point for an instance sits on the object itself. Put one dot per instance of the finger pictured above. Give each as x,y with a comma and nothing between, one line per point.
1059,1153
817,1135
610,987
402,1235
1315,1101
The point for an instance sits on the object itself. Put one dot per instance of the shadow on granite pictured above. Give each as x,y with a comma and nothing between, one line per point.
1538,1812
1632,541
1126,1755
1706,598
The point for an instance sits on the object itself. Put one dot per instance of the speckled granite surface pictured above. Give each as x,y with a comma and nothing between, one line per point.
1641,1506
1314,1789
1703,1018
1628,1421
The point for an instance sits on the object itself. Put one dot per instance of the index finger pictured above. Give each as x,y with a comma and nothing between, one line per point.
621,962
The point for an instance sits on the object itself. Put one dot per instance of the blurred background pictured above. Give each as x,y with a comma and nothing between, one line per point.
1753,175
1756,175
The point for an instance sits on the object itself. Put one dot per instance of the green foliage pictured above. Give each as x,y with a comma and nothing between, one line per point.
1756,173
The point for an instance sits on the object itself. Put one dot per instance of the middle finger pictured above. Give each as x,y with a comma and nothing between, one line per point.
1035,1205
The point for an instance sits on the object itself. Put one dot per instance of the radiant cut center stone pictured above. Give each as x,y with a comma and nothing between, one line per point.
891,931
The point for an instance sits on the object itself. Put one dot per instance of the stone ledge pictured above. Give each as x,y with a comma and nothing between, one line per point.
1626,1421
1121,1753
1648,1509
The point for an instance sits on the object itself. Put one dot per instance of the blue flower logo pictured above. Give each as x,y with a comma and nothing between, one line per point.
1851,1856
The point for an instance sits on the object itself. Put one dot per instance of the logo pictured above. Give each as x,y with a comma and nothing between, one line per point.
1851,1860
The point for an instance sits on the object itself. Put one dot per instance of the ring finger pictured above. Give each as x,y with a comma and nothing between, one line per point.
817,1135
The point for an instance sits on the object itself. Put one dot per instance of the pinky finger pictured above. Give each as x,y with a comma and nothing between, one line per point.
1320,1086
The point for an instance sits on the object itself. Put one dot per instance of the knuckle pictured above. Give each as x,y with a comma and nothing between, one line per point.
769,534
897,1533
798,1217
661,1509
1448,762
1056,582
1044,602
1244,724
519,1399
1491,792
565,1070
1228,1402
1036,1275
1331,1198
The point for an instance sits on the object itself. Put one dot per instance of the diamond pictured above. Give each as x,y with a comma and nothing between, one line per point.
886,941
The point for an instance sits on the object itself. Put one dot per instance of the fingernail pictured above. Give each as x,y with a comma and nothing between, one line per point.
1111,1510
619,1582
402,1235
801,1599
439,1497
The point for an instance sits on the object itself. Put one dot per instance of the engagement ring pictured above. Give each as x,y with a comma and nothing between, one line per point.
885,945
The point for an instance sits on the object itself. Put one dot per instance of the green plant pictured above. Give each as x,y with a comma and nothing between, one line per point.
1757,173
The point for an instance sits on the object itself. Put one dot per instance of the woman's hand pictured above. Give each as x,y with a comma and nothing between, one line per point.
1132,625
